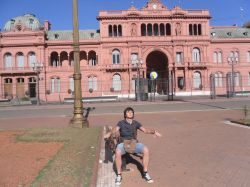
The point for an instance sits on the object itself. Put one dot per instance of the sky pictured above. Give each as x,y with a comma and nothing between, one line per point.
59,12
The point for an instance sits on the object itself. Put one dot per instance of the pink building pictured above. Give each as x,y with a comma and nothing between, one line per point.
189,56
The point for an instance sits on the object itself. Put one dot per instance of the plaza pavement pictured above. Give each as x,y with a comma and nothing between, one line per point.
198,149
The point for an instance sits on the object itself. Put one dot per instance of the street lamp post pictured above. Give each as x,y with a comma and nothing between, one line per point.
232,60
138,63
78,119
37,67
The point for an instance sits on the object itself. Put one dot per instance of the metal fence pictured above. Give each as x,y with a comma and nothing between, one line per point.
229,86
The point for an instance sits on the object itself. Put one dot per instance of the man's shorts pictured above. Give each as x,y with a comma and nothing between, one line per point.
138,148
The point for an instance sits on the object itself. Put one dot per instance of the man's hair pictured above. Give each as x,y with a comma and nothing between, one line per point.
128,109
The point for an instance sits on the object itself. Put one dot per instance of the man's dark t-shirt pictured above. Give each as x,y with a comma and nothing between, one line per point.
126,130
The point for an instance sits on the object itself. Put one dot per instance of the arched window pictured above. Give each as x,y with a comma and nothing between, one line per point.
217,57
20,60
143,30
55,85
119,30
162,29
54,59
7,61
92,58
116,56
92,83
195,29
196,55
156,30
115,30
110,31
117,83
31,59
149,29
168,29
197,80
199,29
190,27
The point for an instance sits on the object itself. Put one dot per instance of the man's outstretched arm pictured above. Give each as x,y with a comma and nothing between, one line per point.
150,131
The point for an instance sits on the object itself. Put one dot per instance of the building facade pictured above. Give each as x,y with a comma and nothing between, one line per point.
186,54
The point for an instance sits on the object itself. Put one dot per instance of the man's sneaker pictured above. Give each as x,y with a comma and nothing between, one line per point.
147,177
118,180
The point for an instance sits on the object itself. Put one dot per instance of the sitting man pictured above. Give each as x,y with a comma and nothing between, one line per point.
128,130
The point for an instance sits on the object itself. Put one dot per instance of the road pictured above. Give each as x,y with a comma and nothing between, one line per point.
16,112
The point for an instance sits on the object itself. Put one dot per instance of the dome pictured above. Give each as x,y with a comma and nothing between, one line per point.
27,21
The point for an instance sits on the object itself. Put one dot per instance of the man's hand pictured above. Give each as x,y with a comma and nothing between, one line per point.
157,134
107,135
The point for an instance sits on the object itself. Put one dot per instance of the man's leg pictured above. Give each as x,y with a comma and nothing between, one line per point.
145,159
118,160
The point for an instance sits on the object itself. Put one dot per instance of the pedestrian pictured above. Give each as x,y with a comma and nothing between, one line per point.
128,132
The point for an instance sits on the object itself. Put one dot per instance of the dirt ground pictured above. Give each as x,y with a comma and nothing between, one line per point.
22,161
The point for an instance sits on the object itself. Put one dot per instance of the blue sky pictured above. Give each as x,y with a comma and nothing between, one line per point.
59,12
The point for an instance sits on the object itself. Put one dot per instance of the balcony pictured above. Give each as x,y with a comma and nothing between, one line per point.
16,70
116,67
197,65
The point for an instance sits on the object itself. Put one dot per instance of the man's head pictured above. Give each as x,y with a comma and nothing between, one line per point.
129,113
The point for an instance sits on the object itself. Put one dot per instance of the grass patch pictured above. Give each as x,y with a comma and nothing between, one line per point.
73,164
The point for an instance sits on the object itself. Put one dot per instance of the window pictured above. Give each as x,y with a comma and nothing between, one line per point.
149,29
248,56
92,83
168,29
31,59
143,30
55,85
92,61
71,84
156,30
20,60
134,58
8,61
196,55
31,23
218,79
162,29
237,79
179,57
197,80
248,78
8,81
116,83
110,31
116,56
217,57
119,30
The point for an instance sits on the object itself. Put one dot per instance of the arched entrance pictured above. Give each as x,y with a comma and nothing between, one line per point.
157,61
